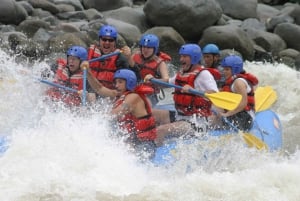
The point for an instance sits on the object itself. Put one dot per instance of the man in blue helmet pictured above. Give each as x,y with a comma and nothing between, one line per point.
70,75
211,57
104,70
131,109
192,111
146,61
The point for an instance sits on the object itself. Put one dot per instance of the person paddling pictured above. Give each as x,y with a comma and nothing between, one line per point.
131,109
104,70
192,111
149,60
69,74
241,82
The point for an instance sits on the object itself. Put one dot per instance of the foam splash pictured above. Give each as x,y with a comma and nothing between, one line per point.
63,156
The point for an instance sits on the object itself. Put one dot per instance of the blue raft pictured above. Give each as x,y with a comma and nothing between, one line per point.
266,131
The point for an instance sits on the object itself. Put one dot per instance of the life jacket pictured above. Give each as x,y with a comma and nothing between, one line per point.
142,128
103,70
215,73
148,67
65,78
251,80
188,104
164,56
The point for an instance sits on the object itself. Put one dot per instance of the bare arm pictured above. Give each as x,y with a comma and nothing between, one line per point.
240,87
127,53
164,72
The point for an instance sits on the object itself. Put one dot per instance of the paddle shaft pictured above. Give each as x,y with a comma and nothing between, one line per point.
58,85
84,87
193,91
225,100
250,139
104,57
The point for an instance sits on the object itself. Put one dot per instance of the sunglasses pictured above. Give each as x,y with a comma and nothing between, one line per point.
107,39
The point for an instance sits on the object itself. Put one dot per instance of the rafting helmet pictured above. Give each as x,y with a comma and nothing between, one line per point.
193,50
211,49
108,30
150,40
78,51
235,62
127,75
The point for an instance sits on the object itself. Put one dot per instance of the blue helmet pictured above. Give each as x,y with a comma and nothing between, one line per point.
78,51
108,30
193,50
150,40
211,49
127,75
234,62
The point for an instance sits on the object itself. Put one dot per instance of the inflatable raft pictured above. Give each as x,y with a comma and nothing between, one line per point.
266,133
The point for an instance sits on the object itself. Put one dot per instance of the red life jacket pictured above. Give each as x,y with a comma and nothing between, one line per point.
103,70
64,78
215,72
148,67
186,103
252,81
143,128
164,56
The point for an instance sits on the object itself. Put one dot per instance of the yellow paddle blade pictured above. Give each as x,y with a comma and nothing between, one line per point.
253,141
225,100
264,98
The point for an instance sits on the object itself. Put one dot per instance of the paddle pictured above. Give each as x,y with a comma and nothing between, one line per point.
84,86
225,100
104,57
264,98
250,139
58,85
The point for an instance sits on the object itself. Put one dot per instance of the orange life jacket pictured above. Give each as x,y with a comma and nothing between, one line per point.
143,128
64,78
103,70
252,81
186,103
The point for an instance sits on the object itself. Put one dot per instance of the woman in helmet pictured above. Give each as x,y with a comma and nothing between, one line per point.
131,108
192,110
211,57
104,70
69,74
238,81
146,61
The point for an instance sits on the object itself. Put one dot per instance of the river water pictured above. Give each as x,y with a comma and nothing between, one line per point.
60,156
